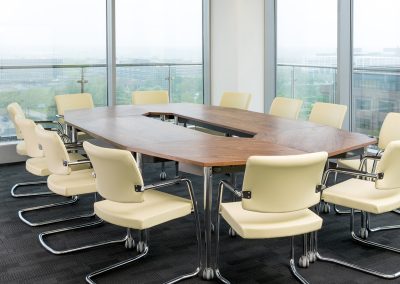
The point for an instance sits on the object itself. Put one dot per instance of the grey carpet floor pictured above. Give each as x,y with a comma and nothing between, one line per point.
172,246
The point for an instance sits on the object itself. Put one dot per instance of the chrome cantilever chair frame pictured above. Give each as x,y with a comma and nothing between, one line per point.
364,227
304,260
128,239
142,246
367,221
72,200
362,167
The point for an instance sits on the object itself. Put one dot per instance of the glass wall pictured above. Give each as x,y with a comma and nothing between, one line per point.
307,51
47,48
159,46
52,47
376,63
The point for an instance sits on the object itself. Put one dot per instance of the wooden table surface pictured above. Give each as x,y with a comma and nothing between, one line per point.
129,127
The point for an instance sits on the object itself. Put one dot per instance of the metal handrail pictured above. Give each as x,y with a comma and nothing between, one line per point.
306,66
6,67
395,69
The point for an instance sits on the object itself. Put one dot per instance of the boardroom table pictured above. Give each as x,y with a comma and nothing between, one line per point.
247,133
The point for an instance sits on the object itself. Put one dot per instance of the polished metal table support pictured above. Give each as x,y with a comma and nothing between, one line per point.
207,268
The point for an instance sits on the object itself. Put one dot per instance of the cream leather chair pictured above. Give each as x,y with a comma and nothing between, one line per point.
370,193
147,98
36,163
229,100
276,194
390,131
328,114
40,166
69,179
286,107
73,102
235,100
14,111
150,97
129,203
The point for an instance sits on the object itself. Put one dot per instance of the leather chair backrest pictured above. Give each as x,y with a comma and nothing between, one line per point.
54,151
389,165
390,130
285,107
283,183
73,101
235,100
328,114
150,97
15,109
27,128
116,173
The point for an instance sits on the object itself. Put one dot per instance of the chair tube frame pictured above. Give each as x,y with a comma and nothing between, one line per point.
356,238
238,194
142,246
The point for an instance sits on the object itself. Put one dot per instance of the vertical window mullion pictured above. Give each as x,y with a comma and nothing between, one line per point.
345,58
111,54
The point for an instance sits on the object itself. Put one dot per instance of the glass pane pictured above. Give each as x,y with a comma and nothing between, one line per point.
187,84
376,61
162,39
46,51
307,51
141,78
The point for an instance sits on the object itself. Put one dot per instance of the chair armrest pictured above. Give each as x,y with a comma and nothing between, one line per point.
73,146
350,172
226,184
79,162
157,185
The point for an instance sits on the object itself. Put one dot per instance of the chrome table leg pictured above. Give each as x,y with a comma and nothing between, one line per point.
208,272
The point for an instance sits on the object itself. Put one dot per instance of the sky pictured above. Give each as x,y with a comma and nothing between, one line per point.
77,28
166,29
312,25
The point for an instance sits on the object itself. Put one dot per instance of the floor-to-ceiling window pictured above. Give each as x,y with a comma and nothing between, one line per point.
159,47
306,51
376,63
52,47
47,48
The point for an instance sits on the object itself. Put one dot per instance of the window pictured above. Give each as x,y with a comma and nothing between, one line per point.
306,51
376,61
57,47
159,46
48,48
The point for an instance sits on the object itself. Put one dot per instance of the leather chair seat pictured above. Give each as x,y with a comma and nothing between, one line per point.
21,148
354,164
362,195
256,225
76,183
157,208
37,166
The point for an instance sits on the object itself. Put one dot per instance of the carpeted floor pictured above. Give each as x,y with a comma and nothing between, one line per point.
172,246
